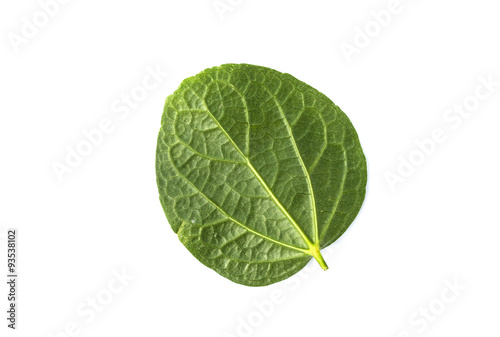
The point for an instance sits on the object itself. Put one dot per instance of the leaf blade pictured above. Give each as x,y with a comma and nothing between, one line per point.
252,107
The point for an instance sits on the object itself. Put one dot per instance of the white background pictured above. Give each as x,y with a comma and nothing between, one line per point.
440,225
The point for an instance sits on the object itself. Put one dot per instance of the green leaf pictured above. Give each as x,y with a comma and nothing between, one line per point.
257,171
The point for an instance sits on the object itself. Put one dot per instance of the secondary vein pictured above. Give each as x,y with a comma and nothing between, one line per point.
339,196
308,178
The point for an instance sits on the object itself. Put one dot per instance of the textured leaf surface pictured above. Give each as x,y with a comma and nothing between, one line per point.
257,171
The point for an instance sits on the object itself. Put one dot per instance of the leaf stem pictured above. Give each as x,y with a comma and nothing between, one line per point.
317,255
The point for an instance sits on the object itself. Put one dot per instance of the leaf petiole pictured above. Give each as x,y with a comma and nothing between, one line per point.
317,255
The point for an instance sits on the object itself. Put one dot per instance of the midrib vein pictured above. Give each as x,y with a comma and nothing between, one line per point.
305,251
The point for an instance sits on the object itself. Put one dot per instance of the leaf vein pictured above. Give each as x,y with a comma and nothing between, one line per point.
230,217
